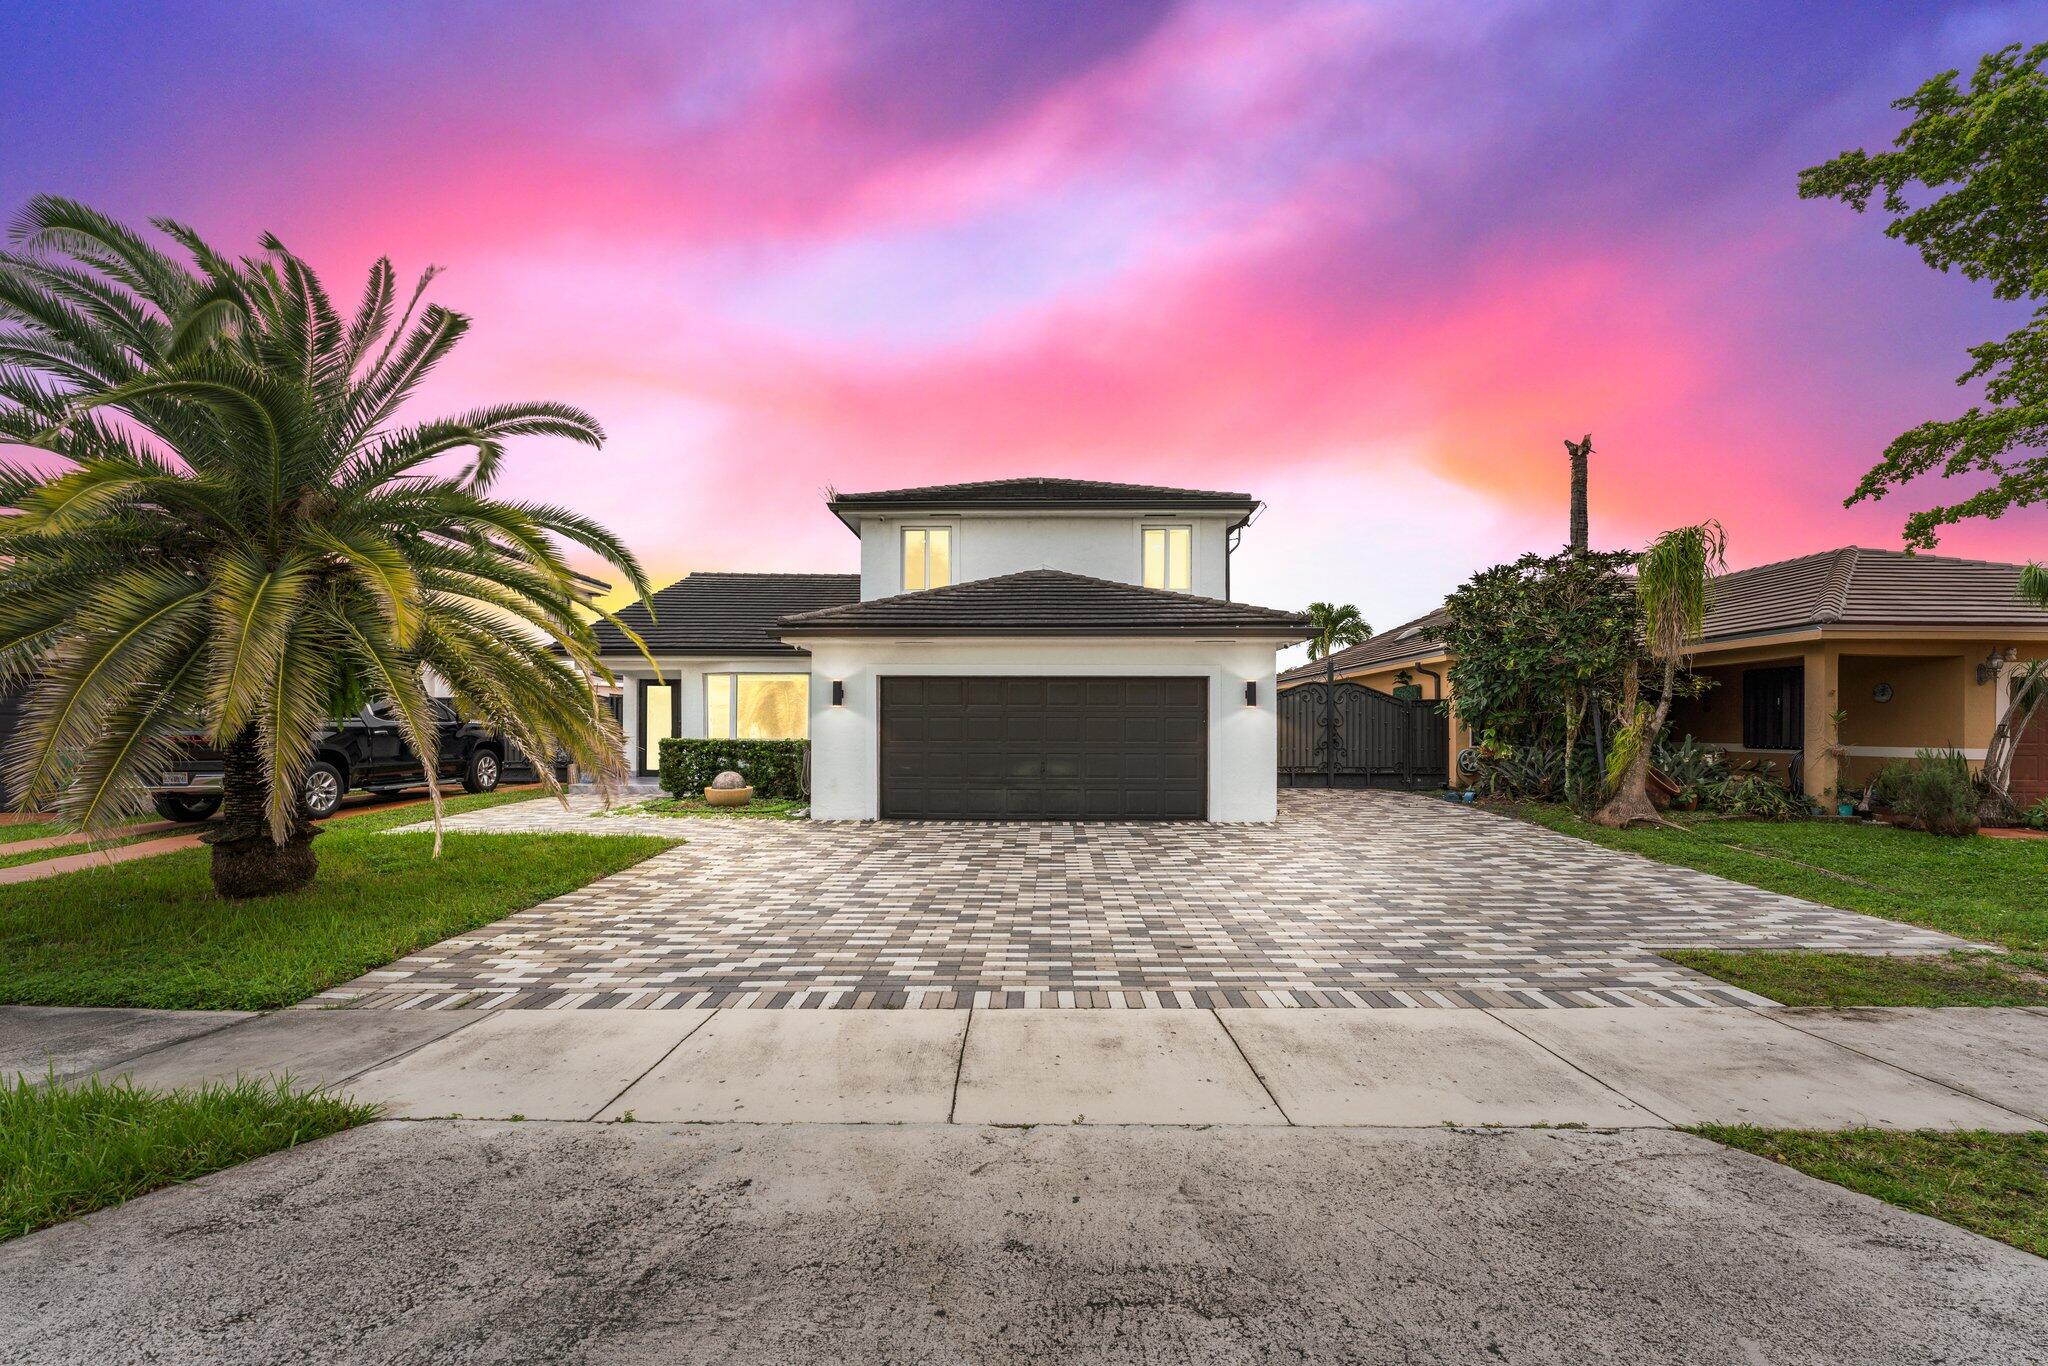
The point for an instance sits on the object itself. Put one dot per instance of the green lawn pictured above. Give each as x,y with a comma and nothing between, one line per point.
19,857
1987,890
1993,1184
68,1149
760,808
152,933
32,830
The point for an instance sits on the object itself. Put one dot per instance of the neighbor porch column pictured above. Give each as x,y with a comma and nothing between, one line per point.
1818,764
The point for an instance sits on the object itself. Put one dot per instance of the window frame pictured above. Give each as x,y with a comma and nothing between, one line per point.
903,555
1145,530
732,700
675,723
1774,708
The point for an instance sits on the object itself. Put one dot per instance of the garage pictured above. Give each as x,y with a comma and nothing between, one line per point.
1023,748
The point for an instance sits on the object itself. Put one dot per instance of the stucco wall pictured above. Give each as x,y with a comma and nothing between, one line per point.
845,740
1101,547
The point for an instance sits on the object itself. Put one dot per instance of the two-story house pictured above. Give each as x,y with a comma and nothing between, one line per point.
1020,649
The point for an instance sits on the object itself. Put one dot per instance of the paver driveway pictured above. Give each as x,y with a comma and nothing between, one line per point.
1351,899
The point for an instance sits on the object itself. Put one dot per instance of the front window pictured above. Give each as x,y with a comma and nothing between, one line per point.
927,557
657,721
1169,558
757,706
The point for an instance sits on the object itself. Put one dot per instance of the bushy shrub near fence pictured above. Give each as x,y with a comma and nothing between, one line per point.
773,768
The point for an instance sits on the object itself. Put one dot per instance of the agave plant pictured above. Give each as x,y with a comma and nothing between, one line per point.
224,525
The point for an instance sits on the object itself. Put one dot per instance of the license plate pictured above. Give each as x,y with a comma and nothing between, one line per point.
177,780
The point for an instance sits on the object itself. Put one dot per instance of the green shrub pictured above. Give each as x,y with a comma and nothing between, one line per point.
773,768
1933,791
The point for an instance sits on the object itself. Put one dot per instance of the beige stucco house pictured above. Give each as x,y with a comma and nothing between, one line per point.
1832,664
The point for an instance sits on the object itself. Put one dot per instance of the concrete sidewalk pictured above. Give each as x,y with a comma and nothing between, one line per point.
1940,1069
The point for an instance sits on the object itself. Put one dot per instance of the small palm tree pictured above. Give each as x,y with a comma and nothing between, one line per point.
238,535
1673,584
1336,628
2029,692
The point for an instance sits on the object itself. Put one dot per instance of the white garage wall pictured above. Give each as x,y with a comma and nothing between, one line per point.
846,740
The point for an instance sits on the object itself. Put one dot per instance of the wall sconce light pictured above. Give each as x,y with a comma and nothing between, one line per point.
838,693
1251,694
1993,663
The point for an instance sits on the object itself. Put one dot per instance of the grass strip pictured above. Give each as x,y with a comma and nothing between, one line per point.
1990,1183
67,1149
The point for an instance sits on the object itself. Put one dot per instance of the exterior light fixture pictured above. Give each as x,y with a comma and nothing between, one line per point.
1993,663
838,693
1251,694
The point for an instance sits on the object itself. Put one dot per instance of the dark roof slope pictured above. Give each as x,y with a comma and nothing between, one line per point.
727,614
1417,639
1049,602
1037,493
1857,587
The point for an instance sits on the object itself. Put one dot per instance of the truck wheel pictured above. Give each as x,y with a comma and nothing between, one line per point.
321,791
175,808
482,773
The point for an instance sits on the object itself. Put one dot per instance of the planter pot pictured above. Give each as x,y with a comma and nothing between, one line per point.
1845,809
728,796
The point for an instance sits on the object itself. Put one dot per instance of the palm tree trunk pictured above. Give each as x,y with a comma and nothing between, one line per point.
247,862
1631,804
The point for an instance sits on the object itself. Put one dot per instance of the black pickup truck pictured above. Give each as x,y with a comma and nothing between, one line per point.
367,750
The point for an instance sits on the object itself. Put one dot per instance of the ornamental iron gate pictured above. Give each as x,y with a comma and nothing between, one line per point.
1349,735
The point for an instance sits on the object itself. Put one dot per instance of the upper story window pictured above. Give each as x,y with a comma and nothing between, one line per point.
927,557
1170,558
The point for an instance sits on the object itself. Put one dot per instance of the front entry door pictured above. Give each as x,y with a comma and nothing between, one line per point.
660,715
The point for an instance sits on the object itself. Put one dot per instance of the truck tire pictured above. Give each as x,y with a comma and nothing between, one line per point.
482,772
321,790
173,807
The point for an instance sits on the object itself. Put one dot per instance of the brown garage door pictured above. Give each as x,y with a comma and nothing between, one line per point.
1045,748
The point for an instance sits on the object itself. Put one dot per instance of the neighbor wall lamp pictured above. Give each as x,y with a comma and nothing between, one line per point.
838,693
1251,694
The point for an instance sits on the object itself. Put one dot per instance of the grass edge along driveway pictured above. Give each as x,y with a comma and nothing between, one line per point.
1977,888
152,934
69,1148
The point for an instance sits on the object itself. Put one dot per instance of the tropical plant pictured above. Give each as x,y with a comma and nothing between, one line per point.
1964,182
1538,645
1692,768
2028,692
237,535
1531,772
1934,791
1336,628
1581,453
1673,580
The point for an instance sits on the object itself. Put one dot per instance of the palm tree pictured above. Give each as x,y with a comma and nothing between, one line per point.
1673,580
1336,628
1581,452
2029,692
239,537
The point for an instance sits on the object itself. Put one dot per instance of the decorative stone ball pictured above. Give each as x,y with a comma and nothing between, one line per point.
728,781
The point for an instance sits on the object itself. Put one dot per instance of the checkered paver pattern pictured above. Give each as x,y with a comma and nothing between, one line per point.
1353,899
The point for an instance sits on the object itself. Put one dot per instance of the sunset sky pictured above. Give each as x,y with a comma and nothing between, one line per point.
1369,261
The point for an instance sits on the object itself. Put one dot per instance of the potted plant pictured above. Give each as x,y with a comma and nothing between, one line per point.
1846,801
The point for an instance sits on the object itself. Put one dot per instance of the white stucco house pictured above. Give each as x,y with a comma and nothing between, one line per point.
1019,649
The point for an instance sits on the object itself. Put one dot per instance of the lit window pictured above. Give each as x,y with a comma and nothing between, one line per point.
757,706
927,557
657,722
1169,558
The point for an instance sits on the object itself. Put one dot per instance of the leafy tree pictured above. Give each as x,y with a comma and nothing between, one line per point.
1979,158
1536,644
1672,588
1336,628
238,533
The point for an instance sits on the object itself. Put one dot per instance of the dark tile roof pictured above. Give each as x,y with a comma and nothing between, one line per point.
1857,587
727,614
1847,587
1410,640
1038,493
1050,602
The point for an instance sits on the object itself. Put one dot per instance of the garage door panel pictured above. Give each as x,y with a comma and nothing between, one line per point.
1044,748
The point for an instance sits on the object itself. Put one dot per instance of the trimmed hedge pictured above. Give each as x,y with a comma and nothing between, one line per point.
773,768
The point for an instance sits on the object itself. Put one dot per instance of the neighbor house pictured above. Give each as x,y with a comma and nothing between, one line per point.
1829,665
1014,649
